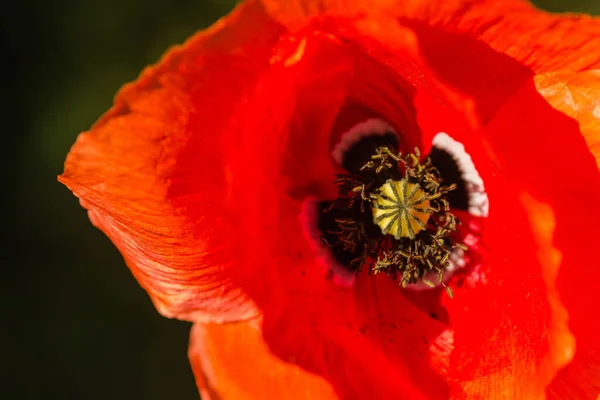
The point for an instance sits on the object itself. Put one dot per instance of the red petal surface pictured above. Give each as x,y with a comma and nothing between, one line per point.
556,177
152,171
577,95
461,40
231,361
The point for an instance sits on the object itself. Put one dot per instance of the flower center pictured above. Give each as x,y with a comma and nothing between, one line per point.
392,216
401,209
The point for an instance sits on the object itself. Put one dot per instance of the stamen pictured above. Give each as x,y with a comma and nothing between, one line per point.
400,221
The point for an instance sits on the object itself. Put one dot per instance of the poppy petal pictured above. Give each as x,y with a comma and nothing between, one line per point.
152,174
231,361
540,40
577,95
538,243
481,51
484,51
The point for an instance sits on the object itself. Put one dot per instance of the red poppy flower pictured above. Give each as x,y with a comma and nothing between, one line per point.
214,175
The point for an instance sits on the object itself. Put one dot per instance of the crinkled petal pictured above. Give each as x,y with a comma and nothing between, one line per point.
540,40
152,172
481,51
231,361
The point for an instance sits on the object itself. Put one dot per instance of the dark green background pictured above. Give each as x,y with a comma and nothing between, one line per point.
76,324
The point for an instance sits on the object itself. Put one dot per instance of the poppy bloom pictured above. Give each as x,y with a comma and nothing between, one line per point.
365,199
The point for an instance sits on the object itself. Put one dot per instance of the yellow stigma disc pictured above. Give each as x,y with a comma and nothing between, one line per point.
401,209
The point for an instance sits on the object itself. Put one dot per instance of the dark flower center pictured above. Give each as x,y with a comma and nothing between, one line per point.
392,214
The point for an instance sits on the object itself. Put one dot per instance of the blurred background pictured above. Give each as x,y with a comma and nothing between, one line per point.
75,324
